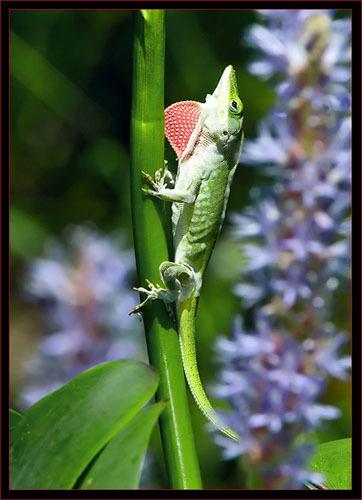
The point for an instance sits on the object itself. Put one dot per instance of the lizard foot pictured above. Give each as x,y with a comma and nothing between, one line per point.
153,293
163,179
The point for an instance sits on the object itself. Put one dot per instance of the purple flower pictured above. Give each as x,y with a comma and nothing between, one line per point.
272,384
287,43
84,285
295,240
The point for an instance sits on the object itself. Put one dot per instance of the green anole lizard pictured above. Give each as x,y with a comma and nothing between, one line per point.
207,138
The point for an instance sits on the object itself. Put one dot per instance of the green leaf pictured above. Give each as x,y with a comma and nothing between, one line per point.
15,418
333,459
119,465
61,434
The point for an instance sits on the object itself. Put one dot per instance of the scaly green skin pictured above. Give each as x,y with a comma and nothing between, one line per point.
199,197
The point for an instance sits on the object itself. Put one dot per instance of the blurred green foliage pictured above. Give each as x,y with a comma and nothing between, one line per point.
70,113
70,109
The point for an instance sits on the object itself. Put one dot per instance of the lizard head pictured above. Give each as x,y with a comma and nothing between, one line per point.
223,111
219,120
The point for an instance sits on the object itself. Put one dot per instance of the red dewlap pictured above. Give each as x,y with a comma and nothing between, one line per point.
180,121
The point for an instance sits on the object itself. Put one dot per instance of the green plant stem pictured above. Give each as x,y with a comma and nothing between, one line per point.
149,223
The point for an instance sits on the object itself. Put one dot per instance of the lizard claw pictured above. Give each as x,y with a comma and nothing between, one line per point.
149,191
149,179
158,175
163,178
151,294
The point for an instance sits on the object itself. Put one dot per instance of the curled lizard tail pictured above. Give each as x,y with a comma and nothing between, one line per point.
186,315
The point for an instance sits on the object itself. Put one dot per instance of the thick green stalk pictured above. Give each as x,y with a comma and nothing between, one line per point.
149,223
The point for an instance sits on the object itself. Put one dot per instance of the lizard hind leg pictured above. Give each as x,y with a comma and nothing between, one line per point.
179,283
179,279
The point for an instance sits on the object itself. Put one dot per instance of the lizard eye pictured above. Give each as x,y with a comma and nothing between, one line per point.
234,106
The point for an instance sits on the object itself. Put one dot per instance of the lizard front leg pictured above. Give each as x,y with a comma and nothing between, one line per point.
160,189
179,283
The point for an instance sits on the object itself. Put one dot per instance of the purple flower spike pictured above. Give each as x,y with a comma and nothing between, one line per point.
83,284
296,243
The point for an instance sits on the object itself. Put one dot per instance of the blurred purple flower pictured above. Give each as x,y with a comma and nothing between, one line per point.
84,285
296,243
